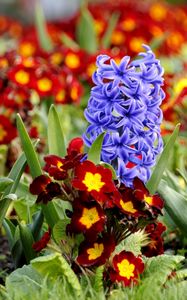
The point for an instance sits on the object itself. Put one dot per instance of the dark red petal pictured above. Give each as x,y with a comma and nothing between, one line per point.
39,184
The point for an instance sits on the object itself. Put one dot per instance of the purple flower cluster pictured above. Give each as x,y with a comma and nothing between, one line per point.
125,104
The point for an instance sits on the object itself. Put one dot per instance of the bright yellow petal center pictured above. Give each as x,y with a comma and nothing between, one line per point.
128,24
91,69
158,12
136,44
128,206
59,165
26,49
181,84
22,77
74,93
93,181
3,133
60,97
44,84
72,61
148,200
126,269
56,58
118,38
3,63
89,217
96,251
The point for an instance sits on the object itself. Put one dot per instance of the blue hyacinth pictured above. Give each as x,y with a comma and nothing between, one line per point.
125,104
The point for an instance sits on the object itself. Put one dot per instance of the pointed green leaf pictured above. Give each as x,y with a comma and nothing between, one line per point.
15,175
55,134
86,34
175,205
106,40
94,153
28,148
10,231
43,36
161,165
27,242
36,225
54,266
69,42
4,183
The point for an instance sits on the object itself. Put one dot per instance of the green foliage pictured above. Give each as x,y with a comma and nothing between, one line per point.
106,40
86,35
98,280
43,36
65,242
134,243
53,266
161,165
15,175
175,205
94,153
27,242
56,141
28,149
4,183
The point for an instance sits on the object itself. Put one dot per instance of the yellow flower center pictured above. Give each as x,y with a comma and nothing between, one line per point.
44,84
148,199
91,69
60,97
128,206
89,217
56,58
93,181
136,44
181,84
158,12
26,49
59,165
28,62
3,63
118,38
96,251
99,26
72,61
22,77
126,269
3,133
74,93
128,24
175,39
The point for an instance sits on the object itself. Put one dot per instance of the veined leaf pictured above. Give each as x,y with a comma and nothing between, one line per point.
43,36
175,205
85,33
55,134
94,153
106,40
54,266
161,165
98,280
28,148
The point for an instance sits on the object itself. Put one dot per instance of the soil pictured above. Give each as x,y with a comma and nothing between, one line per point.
6,263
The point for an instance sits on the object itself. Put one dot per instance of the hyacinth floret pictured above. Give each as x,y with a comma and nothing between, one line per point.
125,103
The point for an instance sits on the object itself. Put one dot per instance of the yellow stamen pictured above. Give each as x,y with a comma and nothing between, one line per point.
126,269
89,217
93,181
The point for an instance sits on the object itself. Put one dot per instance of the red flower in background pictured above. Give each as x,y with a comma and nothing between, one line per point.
126,268
45,189
155,247
97,252
76,145
96,180
7,131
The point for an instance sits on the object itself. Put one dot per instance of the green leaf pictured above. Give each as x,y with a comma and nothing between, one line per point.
54,266
43,36
27,242
94,153
161,165
28,148
15,175
25,281
175,205
85,33
55,134
98,280
64,241
10,231
36,225
50,213
4,183
106,40
69,42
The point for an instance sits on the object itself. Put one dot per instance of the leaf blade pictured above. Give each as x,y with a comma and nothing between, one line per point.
94,152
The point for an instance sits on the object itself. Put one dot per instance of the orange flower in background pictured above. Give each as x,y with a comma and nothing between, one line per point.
126,268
